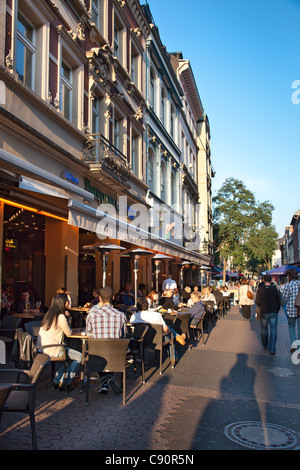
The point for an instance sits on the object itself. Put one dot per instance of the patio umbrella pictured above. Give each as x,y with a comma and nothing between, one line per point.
282,270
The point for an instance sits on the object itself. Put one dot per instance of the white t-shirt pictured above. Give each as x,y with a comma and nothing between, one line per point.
147,316
169,284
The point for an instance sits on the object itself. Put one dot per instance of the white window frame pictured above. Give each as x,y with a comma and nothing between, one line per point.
95,12
65,83
31,46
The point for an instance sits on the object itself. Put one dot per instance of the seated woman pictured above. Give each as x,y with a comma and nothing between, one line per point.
167,301
152,299
186,294
53,328
207,295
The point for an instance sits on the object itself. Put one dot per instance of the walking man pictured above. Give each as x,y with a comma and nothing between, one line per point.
268,299
289,294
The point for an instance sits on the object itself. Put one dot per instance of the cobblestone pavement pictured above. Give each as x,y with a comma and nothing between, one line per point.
229,379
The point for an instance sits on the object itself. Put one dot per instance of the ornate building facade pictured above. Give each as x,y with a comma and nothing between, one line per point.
90,138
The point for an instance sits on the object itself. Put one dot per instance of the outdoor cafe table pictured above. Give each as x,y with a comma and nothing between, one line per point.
79,333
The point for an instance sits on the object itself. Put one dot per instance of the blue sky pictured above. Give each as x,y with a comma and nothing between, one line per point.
245,55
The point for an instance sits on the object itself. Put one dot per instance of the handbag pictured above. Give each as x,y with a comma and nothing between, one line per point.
249,294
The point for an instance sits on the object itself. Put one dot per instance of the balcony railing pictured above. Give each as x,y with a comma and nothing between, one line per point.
99,154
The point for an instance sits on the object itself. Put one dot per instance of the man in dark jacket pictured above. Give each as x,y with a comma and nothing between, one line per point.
268,300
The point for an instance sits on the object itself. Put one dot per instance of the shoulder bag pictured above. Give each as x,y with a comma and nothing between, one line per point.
249,294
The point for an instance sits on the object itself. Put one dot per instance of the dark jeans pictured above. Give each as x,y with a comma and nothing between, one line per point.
272,320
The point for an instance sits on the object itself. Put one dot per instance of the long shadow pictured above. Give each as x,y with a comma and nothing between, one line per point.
66,423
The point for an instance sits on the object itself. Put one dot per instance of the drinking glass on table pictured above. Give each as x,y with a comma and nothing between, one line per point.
38,305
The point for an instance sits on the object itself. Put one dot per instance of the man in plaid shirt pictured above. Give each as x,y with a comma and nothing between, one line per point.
104,321
288,297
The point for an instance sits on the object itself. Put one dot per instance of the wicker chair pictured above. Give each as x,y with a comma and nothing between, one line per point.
5,390
22,398
137,345
59,359
106,355
156,340
199,327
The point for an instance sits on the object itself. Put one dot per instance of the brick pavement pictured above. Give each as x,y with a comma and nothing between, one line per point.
230,376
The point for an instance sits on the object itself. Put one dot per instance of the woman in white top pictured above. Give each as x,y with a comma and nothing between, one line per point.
53,328
207,295
244,302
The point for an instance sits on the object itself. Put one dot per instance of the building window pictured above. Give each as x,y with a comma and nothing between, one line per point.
95,116
151,173
173,189
134,154
163,182
95,12
152,89
162,106
116,43
116,133
66,90
172,124
25,51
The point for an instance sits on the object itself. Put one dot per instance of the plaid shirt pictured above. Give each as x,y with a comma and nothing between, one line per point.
105,322
288,297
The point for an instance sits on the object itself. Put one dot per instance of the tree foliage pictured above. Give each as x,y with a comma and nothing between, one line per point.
243,227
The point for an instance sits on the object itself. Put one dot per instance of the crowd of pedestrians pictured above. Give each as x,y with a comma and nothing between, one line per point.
269,298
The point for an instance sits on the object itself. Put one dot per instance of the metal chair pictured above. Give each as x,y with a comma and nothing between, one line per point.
156,340
22,398
210,311
136,345
106,355
181,324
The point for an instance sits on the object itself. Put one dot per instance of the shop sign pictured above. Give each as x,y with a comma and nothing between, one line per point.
100,197
67,175
9,243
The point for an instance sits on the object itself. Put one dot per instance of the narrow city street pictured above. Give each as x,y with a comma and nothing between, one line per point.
228,394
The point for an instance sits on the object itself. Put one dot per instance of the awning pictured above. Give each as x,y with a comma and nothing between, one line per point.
88,218
36,186
23,167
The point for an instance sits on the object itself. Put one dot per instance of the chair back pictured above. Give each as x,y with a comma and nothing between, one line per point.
107,355
10,323
154,338
181,324
139,331
209,306
5,390
169,319
33,328
38,365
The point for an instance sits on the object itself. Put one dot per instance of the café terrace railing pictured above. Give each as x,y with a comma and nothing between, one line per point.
100,154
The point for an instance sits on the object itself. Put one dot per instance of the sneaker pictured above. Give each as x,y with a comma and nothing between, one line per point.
114,387
103,389
180,339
